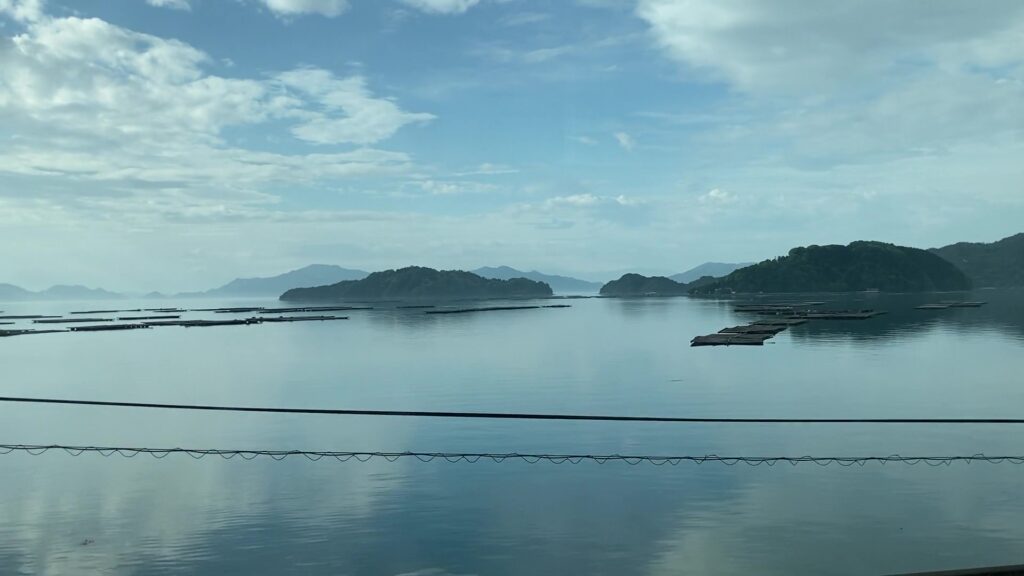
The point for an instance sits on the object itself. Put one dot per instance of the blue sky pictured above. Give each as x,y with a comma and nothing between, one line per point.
175,144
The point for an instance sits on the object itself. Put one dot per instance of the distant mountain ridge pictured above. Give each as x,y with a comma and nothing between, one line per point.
997,264
10,292
418,282
274,286
713,269
856,267
560,284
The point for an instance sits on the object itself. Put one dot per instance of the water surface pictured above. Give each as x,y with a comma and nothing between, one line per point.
610,356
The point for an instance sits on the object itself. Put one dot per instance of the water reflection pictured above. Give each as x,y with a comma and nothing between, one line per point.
601,356
1003,311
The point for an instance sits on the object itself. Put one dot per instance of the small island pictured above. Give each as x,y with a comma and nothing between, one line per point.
859,266
638,285
415,282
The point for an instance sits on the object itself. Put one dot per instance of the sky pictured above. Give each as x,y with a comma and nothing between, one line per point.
176,144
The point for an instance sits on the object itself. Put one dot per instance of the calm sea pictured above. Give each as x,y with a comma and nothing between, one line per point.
94,515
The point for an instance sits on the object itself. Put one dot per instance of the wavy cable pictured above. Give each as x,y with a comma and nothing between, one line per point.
500,457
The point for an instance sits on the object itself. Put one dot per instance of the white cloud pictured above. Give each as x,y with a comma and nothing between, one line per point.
577,200
329,8
717,197
442,6
500,52
89,77
489,169
22,10
791,45
452,187
96,110
351,113
831,99
625,141
585,140
620,210
173,4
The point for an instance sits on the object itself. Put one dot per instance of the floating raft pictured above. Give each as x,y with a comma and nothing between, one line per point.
776,307
311,309
28,317
105,311
221,310
781,322
5,323
242,321
108,327
159,310
413,307
301,318
72,320
169,322
486,309
203,323
762,308
148,317
730,339
771,329
932,307
6,333
968,304
837,314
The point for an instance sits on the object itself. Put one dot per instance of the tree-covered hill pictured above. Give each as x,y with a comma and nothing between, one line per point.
637,285
419,282
834,268
996,264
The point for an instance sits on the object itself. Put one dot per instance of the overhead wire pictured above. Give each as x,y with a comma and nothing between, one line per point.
504,415
498,457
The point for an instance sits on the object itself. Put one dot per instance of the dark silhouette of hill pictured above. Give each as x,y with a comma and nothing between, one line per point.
994,264
857,267
637,285
560,284
713,269
419,282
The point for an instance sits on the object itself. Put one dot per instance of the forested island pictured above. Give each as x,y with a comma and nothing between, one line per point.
998,264
637,285
856,267
416,282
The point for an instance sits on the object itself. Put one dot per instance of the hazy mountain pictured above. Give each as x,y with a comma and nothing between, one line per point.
12,292
76,292
996,264
713,269
637,285
418,282
560,284
856,267
60,292
314,275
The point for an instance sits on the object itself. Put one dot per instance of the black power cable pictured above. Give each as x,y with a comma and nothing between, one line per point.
510,415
